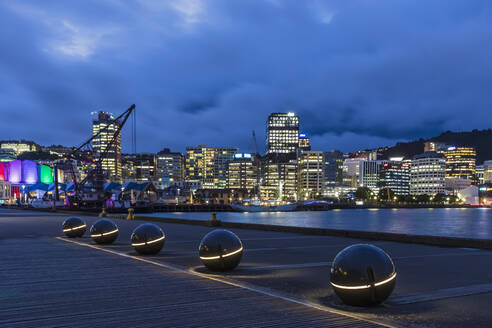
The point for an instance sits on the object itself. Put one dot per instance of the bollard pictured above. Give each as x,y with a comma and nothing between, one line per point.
220,250
104,231
131,214
74,227
148,238
213,220
363,275
103,213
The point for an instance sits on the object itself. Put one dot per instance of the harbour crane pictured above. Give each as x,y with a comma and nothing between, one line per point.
95,176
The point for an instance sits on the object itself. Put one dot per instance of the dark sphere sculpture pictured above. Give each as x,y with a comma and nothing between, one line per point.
104,231
363,275
220,250
74,227
148,238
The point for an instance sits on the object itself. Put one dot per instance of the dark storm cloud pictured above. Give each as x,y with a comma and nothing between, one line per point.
359,73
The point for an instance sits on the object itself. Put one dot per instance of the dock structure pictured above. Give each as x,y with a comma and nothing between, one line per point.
48,280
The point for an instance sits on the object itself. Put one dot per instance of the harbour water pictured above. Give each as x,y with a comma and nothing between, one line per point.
451,222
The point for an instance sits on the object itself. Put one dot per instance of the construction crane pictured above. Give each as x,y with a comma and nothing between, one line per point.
255,144
96,175
257,163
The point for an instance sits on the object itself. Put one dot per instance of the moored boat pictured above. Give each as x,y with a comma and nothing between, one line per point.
264,208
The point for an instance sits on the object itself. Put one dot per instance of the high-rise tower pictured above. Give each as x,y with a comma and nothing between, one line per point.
106,126
460,162
282,133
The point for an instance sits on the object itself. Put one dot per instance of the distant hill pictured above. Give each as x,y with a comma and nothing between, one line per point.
37,156
481,140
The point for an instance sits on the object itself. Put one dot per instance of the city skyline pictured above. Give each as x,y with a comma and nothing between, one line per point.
213,72
246,163
261,145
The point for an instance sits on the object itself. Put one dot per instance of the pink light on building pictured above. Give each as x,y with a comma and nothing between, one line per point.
3,171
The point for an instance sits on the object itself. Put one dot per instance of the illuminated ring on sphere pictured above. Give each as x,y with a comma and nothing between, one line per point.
148,239
363,275
74,227
220,250
104,231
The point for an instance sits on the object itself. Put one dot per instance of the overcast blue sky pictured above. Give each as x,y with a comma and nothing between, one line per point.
358,73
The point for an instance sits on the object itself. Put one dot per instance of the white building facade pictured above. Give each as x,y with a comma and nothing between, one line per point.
427,174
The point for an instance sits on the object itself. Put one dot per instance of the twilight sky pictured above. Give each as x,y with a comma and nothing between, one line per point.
358,73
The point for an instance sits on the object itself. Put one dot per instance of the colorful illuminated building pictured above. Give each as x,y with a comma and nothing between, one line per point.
15,172
282,133
25,172
45,174
3,171
21,174
29,172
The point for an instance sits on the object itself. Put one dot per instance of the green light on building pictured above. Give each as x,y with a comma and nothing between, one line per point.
45,174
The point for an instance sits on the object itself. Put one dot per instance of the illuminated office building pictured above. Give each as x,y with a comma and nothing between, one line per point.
242,172
480,174
282,133
279,179
395,175
310,174
140,167
487,172
437,147
7,155
304,142
351,171
58,150
333,168
460,162
369,174
70,169
103,130
170,166
208,165
427,174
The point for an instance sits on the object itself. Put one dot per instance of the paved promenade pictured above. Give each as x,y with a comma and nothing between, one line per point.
283,280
